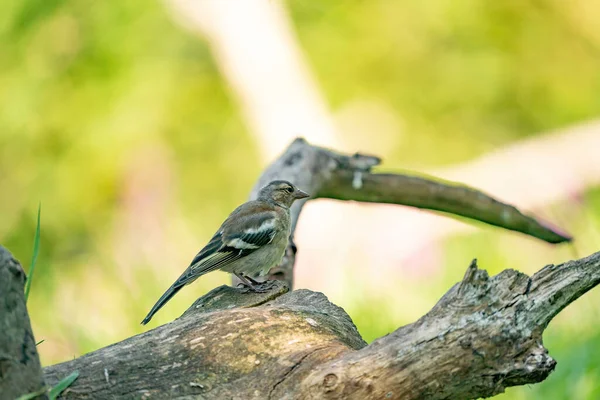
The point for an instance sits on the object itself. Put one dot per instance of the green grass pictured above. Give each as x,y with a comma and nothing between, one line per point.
33,395
55,391
36,248
62,385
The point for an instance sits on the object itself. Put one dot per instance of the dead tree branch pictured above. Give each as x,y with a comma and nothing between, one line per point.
485,334
327,174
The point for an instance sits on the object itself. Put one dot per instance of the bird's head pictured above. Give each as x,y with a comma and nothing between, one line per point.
282,193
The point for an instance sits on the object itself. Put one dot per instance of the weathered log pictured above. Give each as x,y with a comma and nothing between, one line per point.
20,368
485,334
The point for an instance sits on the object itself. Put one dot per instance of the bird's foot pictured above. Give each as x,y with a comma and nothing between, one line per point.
258,287
252,285
252,281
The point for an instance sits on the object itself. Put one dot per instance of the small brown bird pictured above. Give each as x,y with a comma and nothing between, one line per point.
252,240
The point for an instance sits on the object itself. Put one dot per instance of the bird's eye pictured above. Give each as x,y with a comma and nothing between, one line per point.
289,189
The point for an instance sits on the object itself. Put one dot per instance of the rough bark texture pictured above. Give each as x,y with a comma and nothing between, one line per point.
20,368
327,174
485,334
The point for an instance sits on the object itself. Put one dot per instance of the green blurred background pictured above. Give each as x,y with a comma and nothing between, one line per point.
119,121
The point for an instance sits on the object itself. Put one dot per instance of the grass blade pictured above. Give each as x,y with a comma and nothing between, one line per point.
33,395
62,385
36,247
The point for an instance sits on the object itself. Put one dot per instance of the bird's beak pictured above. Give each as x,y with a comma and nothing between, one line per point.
299,194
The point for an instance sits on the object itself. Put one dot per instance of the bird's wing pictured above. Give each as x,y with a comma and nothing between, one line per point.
240,235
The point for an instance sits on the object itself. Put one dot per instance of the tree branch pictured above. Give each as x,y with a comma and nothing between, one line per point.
484,334
439,196
556,286
327,174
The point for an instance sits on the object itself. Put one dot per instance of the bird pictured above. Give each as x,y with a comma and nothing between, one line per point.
251,241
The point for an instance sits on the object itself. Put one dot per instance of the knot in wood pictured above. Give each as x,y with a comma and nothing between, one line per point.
330,382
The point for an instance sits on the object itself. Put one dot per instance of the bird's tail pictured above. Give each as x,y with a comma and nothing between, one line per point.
161,302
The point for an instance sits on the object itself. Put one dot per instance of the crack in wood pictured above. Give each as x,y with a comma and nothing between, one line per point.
291,370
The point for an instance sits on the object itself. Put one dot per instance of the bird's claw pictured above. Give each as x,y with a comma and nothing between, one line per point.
260,288
257,287
252,281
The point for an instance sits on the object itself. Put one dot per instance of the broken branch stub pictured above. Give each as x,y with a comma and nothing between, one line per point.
20,368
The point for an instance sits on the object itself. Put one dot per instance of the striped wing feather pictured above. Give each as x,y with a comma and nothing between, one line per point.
231,243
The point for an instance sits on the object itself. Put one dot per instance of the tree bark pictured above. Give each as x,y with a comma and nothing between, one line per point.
20,368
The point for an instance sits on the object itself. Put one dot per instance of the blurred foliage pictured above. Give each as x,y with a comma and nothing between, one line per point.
120,123
480,73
